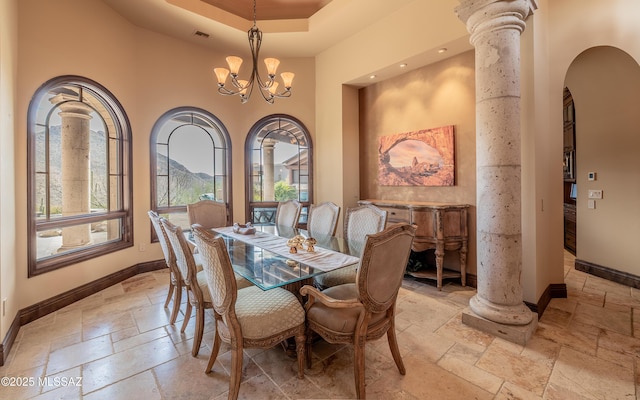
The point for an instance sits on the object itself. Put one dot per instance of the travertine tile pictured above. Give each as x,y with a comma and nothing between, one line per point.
617,321
107,324
143,385
591,377
580,337
120,342
134,341
78,354
471,373
184,377
509,391
512,367
100,373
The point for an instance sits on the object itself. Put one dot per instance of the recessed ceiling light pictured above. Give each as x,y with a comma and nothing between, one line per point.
442,50
372,76
403,65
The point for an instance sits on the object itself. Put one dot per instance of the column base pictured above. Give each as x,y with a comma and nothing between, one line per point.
519,334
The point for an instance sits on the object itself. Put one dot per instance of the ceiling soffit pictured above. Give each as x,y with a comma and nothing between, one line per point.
270,9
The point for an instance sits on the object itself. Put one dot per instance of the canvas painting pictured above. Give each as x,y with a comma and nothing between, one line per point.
420,158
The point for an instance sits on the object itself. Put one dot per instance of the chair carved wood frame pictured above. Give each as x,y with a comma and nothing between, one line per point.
364,311
196,296
175,279
245,318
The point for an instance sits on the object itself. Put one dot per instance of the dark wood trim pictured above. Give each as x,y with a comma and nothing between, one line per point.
472,280
623,278
12,333
40,309
553,291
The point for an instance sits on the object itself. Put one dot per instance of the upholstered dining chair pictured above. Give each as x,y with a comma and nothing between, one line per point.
355,313
323,219
193,280
175,280
288,213
358,223
208,213
246,318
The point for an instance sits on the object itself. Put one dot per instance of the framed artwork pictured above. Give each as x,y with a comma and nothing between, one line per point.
420,158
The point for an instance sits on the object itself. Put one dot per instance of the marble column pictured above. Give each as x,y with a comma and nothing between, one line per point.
268,147
495,27
75,169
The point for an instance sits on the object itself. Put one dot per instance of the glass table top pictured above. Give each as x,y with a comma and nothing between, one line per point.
267,269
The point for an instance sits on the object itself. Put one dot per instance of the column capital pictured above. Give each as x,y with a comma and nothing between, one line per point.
487,15
69,105
268,142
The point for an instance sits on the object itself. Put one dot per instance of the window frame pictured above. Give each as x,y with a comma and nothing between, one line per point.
282,120
214,123
124,213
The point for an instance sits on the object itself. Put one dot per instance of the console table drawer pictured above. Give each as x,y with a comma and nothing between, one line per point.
395,215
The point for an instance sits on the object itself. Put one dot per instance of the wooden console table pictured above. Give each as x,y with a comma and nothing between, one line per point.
440,226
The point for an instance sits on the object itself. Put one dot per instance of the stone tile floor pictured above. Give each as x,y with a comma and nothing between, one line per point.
119,342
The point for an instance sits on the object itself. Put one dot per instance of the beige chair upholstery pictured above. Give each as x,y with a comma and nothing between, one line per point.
288,213
246,318
193,281
359,222
323,219
189,266
355,313
175,280
208,213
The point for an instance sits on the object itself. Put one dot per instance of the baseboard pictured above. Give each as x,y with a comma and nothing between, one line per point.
553,291
623,278
472,280
6,344
40,309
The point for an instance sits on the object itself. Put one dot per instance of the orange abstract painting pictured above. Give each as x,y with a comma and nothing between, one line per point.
420,158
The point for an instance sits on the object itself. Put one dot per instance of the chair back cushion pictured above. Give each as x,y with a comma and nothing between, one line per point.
362,221
208,213
169,257
382,266
217,267
288,213
323,219
184,258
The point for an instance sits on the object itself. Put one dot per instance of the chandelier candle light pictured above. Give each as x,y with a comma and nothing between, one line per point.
244,88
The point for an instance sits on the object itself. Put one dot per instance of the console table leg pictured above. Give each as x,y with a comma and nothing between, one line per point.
439,264
463,264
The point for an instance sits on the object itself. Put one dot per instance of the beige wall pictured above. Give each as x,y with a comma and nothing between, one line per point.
149,74
605,84
570,28
436,95
412,32
8,72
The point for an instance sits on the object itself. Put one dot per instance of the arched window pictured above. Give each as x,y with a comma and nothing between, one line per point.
278,167
190,161
79,174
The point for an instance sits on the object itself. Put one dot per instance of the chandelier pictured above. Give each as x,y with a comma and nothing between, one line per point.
244,88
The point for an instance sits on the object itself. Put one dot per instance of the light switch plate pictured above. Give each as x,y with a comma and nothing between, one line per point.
595,193
591,204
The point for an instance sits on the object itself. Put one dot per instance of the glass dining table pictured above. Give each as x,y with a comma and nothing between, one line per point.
263,258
